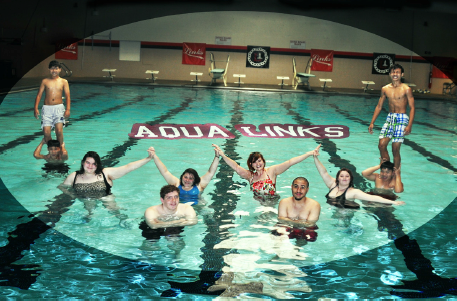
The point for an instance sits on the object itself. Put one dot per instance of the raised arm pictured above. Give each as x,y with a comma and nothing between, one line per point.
66,90
280,168
412,110
377,110
64,152
245,174
398,183
206,178
117,172
37,153
360,195
369,173
169,178
328,180
38,98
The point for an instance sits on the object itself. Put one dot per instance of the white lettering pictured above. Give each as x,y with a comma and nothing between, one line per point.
197,129
163,132
248,131
213,130
142,130
301,131
290,131
267,128
329,130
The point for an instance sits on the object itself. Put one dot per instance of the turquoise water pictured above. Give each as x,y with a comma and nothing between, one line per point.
84,241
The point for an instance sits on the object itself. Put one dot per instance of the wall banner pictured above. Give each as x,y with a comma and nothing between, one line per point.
194,53
258,57
322,60
382,63
66,52
443,67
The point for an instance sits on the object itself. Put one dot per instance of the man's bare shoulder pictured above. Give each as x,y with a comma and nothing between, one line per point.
312,201
285,201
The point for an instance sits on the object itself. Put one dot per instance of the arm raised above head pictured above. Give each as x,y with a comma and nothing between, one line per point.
398,188
117,172
328,180
245,174
169,178
369,173
206,178
37,153
280,168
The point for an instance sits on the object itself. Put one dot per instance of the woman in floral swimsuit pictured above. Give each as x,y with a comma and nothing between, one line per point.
261,179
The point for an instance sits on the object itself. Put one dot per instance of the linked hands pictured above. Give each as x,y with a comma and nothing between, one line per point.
315,152
151,153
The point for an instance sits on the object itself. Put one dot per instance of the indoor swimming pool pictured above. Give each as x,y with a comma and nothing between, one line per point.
55,246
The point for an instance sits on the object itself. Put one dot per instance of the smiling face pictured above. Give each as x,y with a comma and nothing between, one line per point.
344,178
396,74
55,71
299,189
188,180
170,201
89,165
386,174
258,165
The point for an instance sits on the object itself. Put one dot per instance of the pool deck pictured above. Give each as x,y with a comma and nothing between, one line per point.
34,83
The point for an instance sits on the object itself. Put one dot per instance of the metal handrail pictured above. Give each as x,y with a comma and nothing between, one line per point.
67,70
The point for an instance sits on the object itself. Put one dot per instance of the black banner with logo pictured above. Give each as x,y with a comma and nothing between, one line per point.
382,63
258,57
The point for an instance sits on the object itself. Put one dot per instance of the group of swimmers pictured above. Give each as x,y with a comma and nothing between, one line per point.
92,180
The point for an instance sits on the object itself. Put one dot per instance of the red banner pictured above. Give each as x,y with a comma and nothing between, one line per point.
322,60
443,67
193,53
69,52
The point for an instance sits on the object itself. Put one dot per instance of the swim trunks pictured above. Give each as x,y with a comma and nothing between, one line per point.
395,127
263,186
189,196
51,115
340,201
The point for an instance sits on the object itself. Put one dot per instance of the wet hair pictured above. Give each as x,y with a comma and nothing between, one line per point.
54,63
254,156
167,189
351,183
396,66
387,164
53,143
301,178
192,172
98,162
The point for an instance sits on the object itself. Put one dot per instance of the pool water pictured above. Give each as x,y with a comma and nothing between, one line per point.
55,246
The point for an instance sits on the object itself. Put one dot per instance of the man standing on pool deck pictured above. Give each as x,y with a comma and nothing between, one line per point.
170,213
53,111
299,209
397,125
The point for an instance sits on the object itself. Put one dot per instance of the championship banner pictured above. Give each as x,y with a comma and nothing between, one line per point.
443,67
194,53
382,63
258,57
66,52
322,60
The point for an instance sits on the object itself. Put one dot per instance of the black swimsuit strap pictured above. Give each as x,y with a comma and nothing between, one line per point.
108,186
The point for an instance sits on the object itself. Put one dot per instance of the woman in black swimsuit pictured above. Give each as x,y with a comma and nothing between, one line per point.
342,192
92,180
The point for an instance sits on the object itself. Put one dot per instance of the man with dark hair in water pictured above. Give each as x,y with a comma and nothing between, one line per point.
56,152
299,209
170,213
398,124
388,178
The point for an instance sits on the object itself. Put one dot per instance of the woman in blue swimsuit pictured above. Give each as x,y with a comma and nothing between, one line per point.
190,184
342,192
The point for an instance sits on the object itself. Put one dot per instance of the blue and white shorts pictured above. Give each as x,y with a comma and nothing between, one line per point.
395,127
51,115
